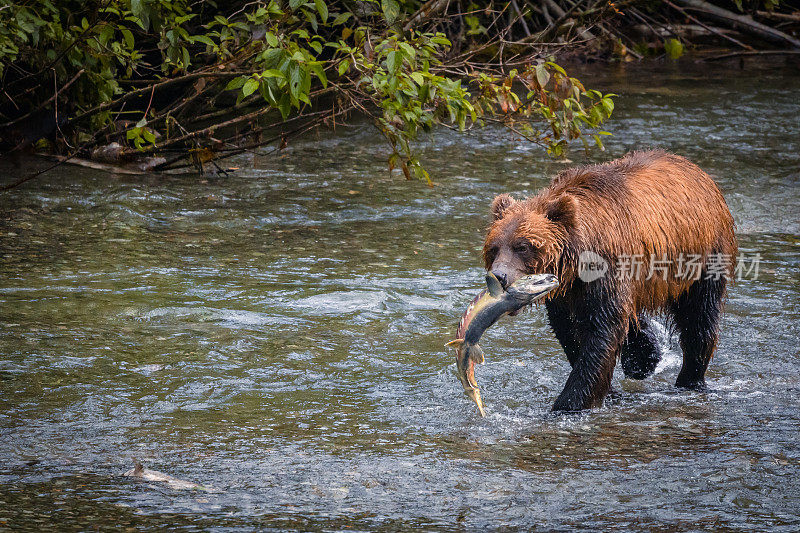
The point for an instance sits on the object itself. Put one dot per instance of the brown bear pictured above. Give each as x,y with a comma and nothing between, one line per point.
662,229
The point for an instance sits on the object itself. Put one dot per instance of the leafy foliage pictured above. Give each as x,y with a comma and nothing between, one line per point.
184,72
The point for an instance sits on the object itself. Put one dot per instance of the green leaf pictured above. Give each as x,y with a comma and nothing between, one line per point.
305,87
140,14
186,59
424,92
343,66
341,18
608,105
128,36
598,142
203,39
542,75
556,67
674,48
285,106
235,83
322,9
249,87
185,18
271,39
418,77
272,57
311,17
294,4
319,71
266,92
391,61
408,49
391,10
295,79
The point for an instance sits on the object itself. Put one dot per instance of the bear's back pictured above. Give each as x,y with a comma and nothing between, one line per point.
651,205
648,196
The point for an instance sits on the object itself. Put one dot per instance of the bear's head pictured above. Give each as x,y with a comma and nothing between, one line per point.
528,237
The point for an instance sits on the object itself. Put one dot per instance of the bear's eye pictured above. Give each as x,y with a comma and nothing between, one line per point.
523,248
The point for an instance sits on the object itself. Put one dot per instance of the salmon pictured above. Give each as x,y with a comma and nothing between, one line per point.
486,309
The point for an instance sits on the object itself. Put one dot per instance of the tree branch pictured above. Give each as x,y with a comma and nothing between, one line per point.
741,22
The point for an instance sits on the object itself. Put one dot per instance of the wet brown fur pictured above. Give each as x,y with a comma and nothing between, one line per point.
647,203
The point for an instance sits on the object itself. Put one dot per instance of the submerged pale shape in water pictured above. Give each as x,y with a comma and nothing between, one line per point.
154,476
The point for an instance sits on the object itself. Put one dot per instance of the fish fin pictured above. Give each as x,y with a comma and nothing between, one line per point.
457,343
476,354
494,285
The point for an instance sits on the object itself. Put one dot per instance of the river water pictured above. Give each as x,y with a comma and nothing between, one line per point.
277,336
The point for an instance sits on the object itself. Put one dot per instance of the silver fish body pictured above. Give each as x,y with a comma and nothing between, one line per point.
486,309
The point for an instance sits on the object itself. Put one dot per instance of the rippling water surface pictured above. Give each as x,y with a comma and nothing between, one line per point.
277,335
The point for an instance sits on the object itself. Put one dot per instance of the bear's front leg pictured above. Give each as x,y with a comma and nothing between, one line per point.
563,324
601,324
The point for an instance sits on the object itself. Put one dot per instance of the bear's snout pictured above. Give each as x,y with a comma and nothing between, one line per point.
502,277
507,267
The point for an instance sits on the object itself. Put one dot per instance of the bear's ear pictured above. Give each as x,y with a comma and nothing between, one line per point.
563,210
500,205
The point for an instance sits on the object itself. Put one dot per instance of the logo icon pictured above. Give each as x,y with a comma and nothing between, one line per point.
591,266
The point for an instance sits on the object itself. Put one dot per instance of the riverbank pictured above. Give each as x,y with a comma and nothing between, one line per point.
187,86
